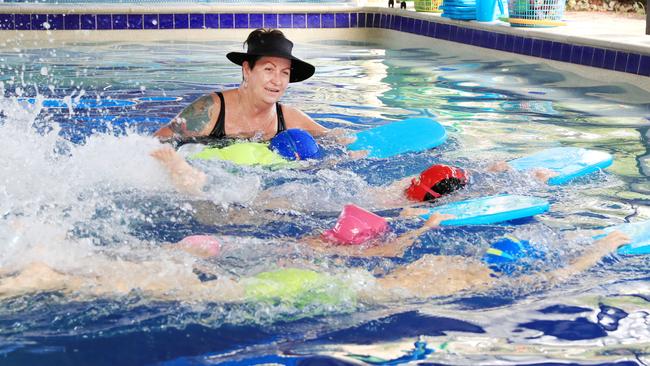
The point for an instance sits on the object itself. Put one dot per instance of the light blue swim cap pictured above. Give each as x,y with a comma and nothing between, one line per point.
295,144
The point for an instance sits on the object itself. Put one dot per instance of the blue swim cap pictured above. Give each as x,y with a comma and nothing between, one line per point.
509,255
295,144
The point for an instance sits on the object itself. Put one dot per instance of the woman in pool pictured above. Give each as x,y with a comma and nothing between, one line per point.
252,110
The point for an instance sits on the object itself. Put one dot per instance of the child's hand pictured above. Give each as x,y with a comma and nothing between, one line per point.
436,218
358,154
499,166
543,174
614,240
413,211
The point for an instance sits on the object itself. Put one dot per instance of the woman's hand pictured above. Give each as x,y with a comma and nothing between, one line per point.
184,177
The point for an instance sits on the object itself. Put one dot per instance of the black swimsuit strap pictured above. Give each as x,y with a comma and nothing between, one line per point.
281,124
219,130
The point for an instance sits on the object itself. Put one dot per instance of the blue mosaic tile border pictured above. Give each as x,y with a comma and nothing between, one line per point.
623,61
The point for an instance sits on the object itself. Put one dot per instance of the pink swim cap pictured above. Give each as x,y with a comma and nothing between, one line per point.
356,226
207,243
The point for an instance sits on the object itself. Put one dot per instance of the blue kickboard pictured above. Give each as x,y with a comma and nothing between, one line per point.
639,233
568,162
490,210
409,135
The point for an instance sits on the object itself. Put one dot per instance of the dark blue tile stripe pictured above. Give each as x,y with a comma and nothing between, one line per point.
39,21
342,20
241,20
226,21
197,21
135,21
284,21
181,21
610,59
299,20
644,66
211,21
55,21
313,20
255,21
632,66
587,55
151,21
361,20
270,20
88,21
166,21
623,61
7,22
120,21
104,21
598,58
22,22
72,21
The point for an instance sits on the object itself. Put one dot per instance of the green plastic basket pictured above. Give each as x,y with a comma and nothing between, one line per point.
536,13
428,6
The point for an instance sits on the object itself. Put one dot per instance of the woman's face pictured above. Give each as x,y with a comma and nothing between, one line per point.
269,78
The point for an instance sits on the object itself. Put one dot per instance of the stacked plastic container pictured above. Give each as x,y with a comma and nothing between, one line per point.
459,9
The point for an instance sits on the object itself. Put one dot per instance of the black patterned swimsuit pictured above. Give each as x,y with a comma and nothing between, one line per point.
219,130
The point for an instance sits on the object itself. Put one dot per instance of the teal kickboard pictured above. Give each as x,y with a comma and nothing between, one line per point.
639,233
409,135
490,210
568,162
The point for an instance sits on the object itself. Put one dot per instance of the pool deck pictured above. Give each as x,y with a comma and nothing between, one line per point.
609,28
625,32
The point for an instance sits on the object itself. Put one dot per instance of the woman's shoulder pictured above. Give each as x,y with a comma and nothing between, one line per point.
228,93
295,118
200,116
293,114
214,96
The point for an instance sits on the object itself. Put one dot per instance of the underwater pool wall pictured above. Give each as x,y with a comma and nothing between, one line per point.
81,21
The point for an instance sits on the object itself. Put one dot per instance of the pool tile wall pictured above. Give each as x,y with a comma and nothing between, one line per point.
434,27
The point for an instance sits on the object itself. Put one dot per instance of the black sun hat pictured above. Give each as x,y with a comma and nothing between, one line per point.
273,43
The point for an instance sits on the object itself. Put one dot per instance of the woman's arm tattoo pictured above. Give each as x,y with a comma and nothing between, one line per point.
197,115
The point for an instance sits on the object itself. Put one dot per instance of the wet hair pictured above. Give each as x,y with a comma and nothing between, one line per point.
444,187
260,33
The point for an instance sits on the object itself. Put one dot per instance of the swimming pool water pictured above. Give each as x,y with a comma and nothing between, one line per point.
80,194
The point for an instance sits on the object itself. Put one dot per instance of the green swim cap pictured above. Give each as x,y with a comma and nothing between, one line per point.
299,288
243,153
